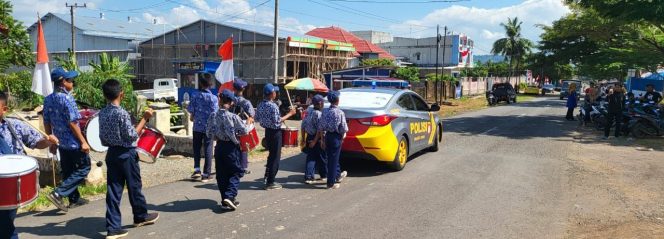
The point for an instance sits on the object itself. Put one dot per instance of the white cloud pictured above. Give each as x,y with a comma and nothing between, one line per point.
26,10
483,24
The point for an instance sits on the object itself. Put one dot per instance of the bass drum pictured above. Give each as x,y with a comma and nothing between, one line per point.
92,135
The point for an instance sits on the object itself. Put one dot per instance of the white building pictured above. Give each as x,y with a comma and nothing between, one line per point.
374,37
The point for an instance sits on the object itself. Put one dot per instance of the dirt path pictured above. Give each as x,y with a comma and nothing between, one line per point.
616,187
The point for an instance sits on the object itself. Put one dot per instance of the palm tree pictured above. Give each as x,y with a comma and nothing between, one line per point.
513,46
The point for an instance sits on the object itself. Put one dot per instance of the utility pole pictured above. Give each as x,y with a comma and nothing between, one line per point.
444,47
275,51
73,28
436,69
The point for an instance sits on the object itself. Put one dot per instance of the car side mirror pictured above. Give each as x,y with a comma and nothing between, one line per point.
435,108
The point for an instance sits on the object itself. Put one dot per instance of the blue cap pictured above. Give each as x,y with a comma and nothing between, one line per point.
239,84
333,96
317,99
269,88
227,94
60,73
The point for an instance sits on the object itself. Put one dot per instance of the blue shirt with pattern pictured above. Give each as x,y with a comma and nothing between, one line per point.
333,120
226,126
267,114
27,135
311,121
115,128
201,106
60,109
243,105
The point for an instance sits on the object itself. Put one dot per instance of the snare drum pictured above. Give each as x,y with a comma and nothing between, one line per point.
289,136
249,141
19,180
86,115
149,145
91,132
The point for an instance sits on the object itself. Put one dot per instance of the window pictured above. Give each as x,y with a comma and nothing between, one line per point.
406,102
357,99
163,83
420,105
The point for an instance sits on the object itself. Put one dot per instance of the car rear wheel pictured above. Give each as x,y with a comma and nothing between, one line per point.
436,140
401,157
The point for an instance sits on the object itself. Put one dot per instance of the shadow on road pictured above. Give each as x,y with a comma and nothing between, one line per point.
184,205
86,227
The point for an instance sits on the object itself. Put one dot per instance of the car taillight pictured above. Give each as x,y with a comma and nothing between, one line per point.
380,120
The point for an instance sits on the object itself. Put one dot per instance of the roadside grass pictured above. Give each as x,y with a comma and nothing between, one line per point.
653,143
42,202
522,98
466,104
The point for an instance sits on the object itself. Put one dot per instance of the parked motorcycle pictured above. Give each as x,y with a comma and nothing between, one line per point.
647,120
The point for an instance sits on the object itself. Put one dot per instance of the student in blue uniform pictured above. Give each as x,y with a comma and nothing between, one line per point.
333,125
316,157
267,114
14,134
61,117
203,103
117,132
243,108
224,126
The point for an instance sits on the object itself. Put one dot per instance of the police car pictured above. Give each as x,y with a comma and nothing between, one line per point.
388,125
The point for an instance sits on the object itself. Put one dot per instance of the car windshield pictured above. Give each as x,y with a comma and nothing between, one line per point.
356,99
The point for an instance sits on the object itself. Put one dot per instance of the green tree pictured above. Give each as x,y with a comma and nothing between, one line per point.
411,74
111,67
514,47
15,46
377,62
69,62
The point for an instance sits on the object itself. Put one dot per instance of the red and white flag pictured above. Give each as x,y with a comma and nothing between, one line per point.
225,74
41,77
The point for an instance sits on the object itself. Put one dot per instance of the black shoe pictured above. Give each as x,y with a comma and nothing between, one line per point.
196,175
117,234
205,178
149,220
246,171
57,201
229,203
80,202
273,186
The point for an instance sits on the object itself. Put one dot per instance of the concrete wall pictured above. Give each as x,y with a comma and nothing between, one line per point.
374,37
425,48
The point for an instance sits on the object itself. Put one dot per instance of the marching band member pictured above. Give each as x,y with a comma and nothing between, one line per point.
117,132
267,114
243,108
13,135
61,117
225,126
333,125
316,157
201,106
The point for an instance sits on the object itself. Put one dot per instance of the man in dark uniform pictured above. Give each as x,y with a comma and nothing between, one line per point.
243,108
225,126
267,114
333,125
651,96
14,134
316,158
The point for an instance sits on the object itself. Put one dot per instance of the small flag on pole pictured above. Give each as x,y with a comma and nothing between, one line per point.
225,74
41,77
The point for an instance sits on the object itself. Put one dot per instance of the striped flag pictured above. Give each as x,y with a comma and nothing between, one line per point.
41,77
225,74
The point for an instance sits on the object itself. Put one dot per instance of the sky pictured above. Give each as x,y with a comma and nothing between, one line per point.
479,19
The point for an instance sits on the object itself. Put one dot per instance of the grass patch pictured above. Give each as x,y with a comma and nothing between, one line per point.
522,98
42,202
464,104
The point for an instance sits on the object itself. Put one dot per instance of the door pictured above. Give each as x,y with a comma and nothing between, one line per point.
425,127
407,118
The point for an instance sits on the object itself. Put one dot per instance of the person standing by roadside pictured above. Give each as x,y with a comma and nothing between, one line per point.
616,100
267,114
572,99
333,125
316,157
61,118
202,104
225,126
243,108
651,96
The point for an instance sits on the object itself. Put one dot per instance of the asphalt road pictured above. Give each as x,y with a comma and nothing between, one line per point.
500,173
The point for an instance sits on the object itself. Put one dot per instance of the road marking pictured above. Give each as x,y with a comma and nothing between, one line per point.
521,115
489,131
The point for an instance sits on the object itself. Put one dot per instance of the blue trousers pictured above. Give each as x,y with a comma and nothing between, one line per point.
244,159
75,168
229,168
7,228
316,159
202,141
122,168
274,143
333,150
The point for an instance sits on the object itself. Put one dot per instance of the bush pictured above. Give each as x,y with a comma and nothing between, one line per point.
377,62
19,86
88,90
